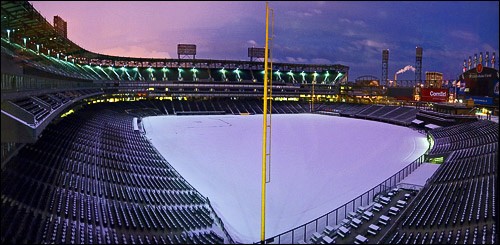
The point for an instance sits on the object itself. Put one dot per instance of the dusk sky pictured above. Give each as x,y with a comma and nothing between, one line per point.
348,33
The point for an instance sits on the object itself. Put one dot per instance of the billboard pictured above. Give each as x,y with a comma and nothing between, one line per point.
400,93
478,100
256,52
186,49
495,89
434,95
481,81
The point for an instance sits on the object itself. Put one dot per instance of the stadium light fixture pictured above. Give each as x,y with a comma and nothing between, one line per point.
278,73
326,77
223,71
165,70
194,70
303,74
338,76
237,71
290,73
180,70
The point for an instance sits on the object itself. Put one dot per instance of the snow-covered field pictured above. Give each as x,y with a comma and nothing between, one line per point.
318,163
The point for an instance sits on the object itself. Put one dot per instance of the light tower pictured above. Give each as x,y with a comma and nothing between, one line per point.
493,60
385,65
418,65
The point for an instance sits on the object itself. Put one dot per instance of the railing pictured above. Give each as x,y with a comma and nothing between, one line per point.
221,224
216,217
20,83
335,217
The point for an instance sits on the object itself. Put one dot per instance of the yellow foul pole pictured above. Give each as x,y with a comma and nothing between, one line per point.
264,132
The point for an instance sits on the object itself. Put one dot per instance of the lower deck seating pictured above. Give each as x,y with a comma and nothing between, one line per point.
92,179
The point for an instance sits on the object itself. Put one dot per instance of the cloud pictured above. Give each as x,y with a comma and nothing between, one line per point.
349,33
371,44
136,51
295,60
358,23
252,43
317,11
382,14
301,60
306,13
464,35
321,61
487,48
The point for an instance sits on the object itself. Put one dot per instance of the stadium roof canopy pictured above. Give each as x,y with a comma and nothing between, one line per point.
23,21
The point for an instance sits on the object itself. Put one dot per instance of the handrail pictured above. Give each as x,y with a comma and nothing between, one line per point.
381,187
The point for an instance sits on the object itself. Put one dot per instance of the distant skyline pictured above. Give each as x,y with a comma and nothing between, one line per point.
347,33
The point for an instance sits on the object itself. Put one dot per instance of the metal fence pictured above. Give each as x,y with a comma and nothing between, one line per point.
335,217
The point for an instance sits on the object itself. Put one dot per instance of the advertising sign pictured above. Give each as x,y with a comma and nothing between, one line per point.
256,52
478,100
186,49
434,95
481,81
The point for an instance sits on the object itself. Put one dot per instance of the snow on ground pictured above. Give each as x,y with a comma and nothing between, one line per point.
318,163
420,176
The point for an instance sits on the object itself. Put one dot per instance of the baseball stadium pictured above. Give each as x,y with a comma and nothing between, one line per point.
103,149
